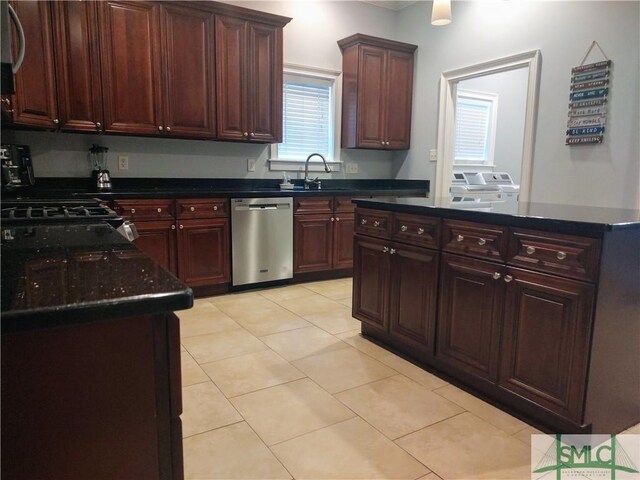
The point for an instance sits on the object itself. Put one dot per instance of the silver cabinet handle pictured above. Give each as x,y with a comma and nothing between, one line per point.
168,129
181,227
508,278
193,209
56,121
215,207
392,251
387,143
245,134
98,125
381,143
530,250
133,210
333,219
385,249
363,221
376,223
460,238
403,228
420,231
173,227
251,134
561,255
160,127
496,276
481,241
337,219
159,210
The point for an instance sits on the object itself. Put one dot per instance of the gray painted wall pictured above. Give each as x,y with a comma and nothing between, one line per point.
511,87
605,175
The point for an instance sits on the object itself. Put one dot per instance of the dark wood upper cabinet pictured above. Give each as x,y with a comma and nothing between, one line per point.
130,54
78,66
249,79
376,93
188,71
34,103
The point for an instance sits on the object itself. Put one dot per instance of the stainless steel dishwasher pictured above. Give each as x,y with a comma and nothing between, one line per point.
261,239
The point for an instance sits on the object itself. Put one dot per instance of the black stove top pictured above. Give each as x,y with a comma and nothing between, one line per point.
30,212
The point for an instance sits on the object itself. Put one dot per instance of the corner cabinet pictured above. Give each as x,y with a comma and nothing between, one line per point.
249,80
376,93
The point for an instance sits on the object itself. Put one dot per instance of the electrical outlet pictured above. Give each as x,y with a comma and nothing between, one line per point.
123,162
251,164
433,155
351,167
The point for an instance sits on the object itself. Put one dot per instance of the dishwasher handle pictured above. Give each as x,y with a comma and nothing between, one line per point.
263,207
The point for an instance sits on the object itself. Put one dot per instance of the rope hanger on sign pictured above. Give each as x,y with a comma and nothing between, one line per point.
593,44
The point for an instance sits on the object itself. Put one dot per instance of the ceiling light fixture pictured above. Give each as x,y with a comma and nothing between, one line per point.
441,13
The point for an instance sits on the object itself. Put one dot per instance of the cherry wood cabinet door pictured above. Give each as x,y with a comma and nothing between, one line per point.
545,341
343,240
264,94
312,243
204,252
371,268
470,306
34,103
414,287
130,55
371,101
78,66
231,65
188,71
398,99
158,240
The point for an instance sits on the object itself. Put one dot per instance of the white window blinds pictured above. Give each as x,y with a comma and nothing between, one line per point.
474,129
307,119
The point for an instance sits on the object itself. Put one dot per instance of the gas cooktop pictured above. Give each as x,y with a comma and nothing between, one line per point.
28,212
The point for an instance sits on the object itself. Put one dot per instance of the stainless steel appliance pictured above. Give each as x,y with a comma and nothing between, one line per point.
17,168
482,183
100,174
262,239
41,212
9,66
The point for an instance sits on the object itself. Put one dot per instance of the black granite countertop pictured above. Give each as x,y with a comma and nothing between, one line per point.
569,219
55,275
133,188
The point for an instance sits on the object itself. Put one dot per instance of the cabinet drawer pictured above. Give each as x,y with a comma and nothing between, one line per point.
144,209
312,205
344,205
474,239
376,223
202,208
416,229
567,255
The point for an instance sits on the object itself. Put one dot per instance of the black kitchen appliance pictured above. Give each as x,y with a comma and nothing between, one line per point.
100,174
17,168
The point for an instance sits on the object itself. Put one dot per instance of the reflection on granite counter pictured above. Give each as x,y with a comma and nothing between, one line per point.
572,219
63,274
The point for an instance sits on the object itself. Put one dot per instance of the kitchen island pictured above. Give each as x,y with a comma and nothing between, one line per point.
535,307
90,356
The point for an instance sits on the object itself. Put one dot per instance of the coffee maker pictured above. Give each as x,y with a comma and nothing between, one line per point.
100,174
17,168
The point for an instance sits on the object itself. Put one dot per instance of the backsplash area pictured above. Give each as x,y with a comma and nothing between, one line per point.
66,155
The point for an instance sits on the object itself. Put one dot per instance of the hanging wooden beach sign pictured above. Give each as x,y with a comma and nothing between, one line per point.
588,93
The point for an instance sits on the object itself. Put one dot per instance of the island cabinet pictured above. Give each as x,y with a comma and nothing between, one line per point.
533,319
188,237
395,277
376,93
322,234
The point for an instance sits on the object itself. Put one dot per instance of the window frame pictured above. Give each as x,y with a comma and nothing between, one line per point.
487,97
315,164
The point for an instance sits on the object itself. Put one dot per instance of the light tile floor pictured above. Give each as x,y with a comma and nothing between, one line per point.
279,384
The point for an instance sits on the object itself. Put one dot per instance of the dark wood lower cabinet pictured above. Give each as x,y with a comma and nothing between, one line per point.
343,240
545,343
313,243
470,309
203,251
371,268
158,240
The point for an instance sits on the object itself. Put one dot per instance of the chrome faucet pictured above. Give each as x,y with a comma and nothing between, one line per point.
308,182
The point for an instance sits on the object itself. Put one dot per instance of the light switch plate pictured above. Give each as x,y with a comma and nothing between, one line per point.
433,155
123,162
351,167
251,164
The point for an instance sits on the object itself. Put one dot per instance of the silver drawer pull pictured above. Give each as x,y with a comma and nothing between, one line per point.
215,207
173,227
337,219
333,219
181,227
133,210
460,238
530,250
496,276
385,249
561,255
403,228
376,223
193,209
508,278
420,231
159,210
392,251
363,221
481,241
